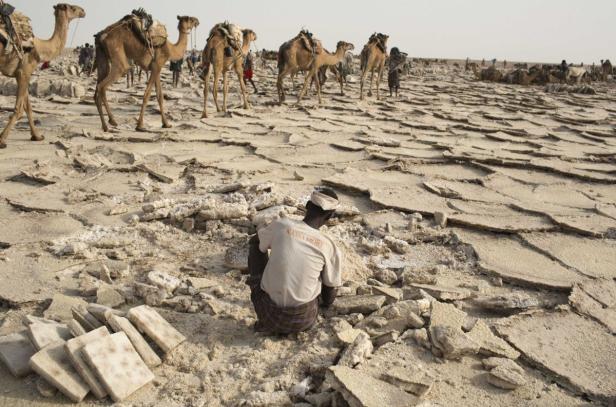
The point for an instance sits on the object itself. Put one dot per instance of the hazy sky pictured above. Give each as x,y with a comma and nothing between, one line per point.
522,30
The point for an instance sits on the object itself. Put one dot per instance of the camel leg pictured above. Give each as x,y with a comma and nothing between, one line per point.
34,133
361,84
215,87
378,82
240,77
318,84
301,94
100,97
20,106
98,100
341,80
225,90
160,97
371,79
146,98
280,85
206,89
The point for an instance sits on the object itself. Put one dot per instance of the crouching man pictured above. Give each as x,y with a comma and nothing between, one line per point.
300,272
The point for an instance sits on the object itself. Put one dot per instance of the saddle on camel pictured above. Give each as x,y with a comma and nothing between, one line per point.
151,32
15,30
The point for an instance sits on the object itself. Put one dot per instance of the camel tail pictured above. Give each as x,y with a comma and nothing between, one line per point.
101,58
205,62
281,60
363,59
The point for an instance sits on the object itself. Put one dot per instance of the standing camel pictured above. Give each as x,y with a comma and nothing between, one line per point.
117,45
21,67
214,56
294,56
372,58
324,59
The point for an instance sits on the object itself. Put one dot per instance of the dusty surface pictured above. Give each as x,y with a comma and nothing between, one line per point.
526,179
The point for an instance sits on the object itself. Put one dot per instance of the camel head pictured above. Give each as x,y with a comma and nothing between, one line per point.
345,46
249,35
187,23
383,38
69,11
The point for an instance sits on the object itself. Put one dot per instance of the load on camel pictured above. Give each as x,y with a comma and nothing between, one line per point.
138,38
225,49
21,52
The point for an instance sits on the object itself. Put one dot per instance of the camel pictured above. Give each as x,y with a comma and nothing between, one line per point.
522,76
296,55
324,59
575,75
372,58
490,74
21,68
117,45
214,54
471,66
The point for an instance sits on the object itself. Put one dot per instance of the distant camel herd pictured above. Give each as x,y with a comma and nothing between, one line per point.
138,39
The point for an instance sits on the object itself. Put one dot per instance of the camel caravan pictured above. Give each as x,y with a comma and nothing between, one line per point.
137,40
546,74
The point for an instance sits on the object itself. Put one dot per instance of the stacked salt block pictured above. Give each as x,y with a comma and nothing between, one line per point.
84,356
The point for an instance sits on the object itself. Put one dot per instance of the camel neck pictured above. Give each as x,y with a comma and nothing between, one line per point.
177,50
51,48
245,46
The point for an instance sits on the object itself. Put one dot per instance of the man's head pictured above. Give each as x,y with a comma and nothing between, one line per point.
321,206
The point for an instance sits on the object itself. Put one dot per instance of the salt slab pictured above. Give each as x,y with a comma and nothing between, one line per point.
73,349
53,365
16,351
46,334
156,327
121,324
118,365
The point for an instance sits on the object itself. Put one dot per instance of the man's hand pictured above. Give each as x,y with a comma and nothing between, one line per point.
257,261
328,295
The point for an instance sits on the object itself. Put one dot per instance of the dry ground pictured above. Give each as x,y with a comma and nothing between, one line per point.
526,178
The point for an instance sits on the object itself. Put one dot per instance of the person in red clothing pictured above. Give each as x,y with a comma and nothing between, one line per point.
248,69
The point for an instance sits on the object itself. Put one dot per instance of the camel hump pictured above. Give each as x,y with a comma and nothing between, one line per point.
148,31
158,34
22,26
231,32
309,42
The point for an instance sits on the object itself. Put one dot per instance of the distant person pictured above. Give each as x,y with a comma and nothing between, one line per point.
176,69
86,58
192,61
249,64
396,63
483,62
505,63
130,74
494,62
564,67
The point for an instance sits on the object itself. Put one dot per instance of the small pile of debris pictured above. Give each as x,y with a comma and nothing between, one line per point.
84,355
